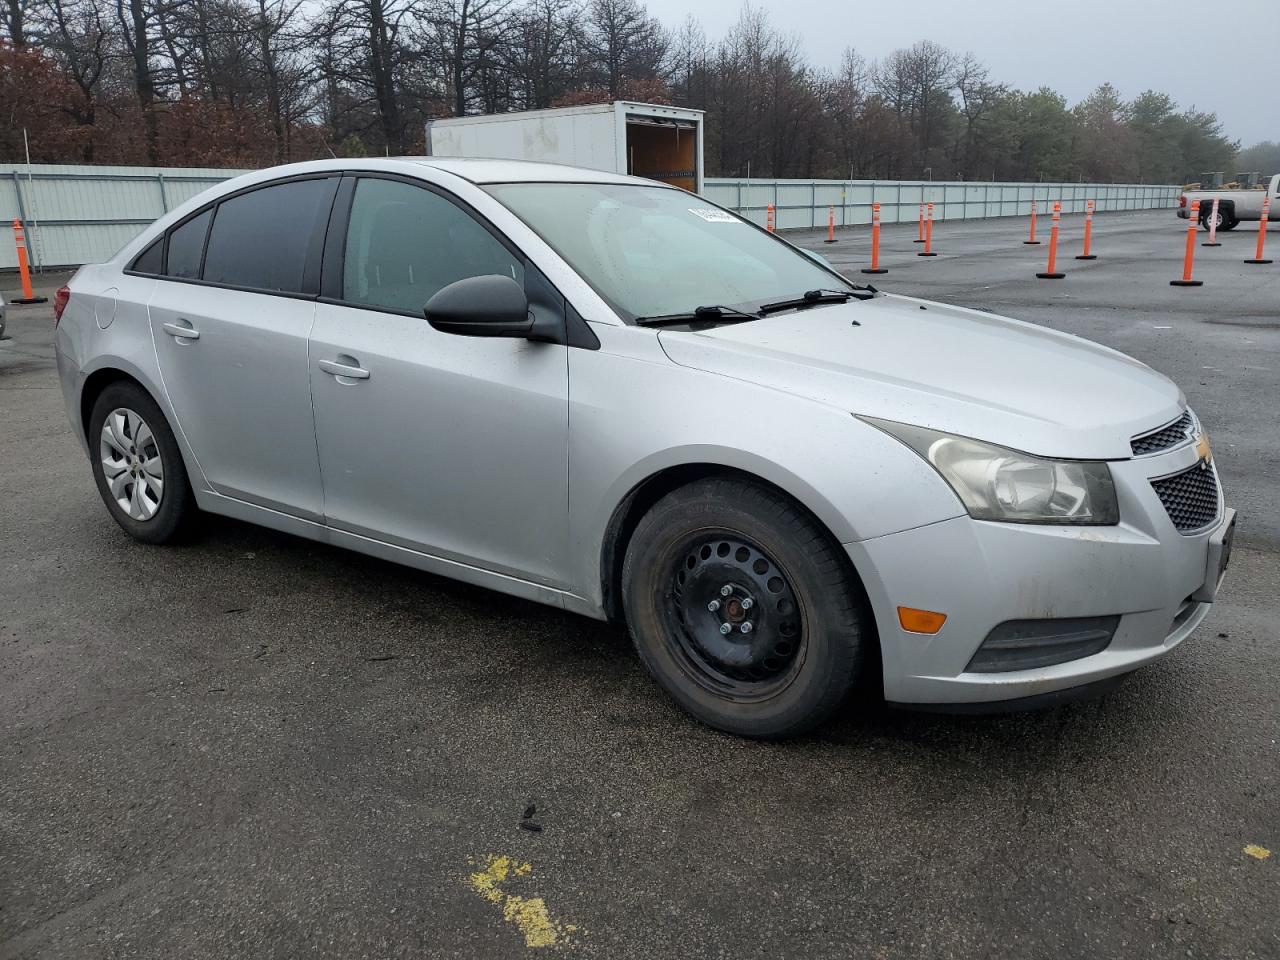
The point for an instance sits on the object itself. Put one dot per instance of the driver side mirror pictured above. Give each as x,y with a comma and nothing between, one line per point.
488,306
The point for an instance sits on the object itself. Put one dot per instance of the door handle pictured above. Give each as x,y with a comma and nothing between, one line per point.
181,329
352,370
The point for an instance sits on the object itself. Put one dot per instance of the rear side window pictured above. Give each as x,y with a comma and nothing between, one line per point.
404,243
151,260
186,245
261,239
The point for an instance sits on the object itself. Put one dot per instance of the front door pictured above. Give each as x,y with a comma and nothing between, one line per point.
454,446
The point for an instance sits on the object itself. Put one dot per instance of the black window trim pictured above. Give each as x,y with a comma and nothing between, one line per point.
311,272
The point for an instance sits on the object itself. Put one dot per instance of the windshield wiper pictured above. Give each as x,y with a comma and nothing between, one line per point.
710,314
813,298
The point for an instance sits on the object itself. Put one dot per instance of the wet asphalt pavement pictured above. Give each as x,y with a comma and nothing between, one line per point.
256,746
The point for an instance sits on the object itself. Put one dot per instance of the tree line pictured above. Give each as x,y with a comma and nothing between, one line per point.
248,83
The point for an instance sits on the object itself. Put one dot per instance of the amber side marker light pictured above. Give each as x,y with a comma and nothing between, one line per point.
920,621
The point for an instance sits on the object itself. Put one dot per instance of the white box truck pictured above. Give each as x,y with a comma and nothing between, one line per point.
644,139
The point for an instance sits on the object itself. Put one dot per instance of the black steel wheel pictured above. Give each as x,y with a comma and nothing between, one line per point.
743,608
733,617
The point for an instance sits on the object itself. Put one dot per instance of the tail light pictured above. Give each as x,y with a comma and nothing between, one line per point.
1182,200
60,300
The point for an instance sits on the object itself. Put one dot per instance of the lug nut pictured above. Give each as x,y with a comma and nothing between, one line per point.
713,606
747,603
725,628
745,628
726,590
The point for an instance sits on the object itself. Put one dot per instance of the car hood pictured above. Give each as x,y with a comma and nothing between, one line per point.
962,371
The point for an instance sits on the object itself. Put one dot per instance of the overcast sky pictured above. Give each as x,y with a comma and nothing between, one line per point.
1072,47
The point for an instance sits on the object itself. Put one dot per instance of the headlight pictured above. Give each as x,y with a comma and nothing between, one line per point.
995,483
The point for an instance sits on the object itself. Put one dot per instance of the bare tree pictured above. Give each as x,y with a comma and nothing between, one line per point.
916,85
541,51
467,35
13,14
624,43
74,31
978,98
136,20
688,63
279,44
365,48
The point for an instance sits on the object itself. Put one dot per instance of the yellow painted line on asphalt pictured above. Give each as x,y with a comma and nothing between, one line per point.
1257,852
529,914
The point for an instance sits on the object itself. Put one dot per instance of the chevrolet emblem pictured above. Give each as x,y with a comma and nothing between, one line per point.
1203,450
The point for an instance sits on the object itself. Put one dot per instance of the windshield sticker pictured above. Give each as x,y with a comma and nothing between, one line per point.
712,215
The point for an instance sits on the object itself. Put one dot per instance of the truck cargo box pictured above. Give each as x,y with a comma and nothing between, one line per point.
644,139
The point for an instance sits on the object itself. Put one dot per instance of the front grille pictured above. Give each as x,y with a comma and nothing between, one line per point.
1190,497
1175,434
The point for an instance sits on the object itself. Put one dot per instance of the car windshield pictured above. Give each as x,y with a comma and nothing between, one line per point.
659,251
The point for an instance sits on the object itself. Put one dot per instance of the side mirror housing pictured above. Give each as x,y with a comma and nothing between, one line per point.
488,306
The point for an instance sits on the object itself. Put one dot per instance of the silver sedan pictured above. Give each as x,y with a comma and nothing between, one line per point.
612,396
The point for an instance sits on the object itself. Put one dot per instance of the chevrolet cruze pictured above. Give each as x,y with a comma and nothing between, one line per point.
613,396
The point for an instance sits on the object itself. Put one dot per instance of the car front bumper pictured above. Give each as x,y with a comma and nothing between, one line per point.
1159,582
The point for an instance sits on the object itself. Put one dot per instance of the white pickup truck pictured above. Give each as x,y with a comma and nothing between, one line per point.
1233,205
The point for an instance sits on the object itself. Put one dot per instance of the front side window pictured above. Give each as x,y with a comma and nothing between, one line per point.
261,239
186,247
404,243
655,251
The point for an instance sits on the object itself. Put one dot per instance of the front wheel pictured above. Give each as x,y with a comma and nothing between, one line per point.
137,465
744,609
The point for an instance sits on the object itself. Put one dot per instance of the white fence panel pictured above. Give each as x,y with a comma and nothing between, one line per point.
82,214
802,204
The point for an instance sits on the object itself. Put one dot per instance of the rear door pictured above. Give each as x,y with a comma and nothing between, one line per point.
230,318
454,446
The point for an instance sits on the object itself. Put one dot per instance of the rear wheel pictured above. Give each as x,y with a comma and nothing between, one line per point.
137,465
743,608
1225,220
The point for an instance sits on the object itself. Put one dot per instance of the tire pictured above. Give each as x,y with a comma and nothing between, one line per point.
803,649
149,476
1225,220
